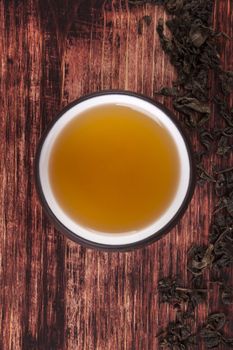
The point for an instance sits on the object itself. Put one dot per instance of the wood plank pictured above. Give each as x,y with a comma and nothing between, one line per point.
55,294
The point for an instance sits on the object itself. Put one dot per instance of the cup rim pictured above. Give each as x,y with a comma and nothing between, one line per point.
124,247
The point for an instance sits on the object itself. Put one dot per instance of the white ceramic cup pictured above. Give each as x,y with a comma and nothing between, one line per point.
113,241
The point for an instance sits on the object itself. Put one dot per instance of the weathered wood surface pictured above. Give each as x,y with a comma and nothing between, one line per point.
54,293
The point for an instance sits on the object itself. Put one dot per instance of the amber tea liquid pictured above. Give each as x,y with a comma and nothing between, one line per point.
114,169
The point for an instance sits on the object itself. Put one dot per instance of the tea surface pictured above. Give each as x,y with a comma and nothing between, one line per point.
114,169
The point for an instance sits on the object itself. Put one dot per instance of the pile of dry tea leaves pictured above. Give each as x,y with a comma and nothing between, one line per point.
192,50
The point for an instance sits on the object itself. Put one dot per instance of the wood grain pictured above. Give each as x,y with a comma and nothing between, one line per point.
54,293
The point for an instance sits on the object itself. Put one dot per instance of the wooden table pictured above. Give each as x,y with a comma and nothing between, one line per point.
54,293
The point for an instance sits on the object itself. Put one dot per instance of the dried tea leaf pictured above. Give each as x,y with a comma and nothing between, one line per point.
223,146
206,138
228,131
227,295
211,332
166,43
203,175
178,335
174,6
147,19
214,233
188,104
223,251
216,321
200,258
211,338
220,186
166,91
226,82
229,235
198,35
230,205
228,342
224,111
171,292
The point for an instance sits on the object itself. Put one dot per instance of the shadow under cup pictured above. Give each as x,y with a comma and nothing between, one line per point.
107,240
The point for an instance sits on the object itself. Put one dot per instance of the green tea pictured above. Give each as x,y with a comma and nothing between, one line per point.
114,169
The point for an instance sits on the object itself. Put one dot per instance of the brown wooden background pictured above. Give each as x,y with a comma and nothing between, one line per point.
54,293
